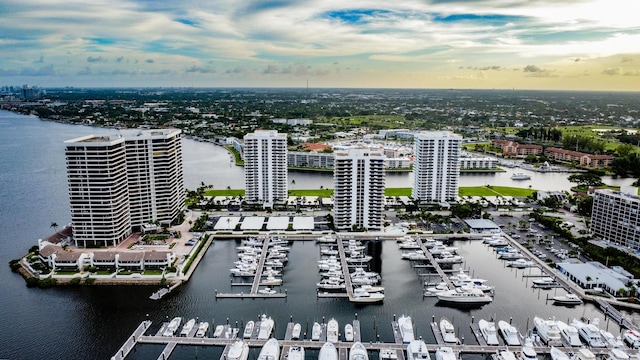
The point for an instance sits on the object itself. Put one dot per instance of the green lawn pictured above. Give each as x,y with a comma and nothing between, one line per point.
226,192
311,192
397,192
494,191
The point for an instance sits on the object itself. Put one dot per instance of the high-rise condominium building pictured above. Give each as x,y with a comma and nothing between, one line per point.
616,216
118,183
359,181
436,166
265,167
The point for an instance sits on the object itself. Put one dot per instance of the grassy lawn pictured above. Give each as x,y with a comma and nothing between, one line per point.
226,192
397,192
236,154
384,121
494,191
311,192
153,272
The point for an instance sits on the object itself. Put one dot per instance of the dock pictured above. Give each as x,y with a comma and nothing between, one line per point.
131,341
437,334
345,268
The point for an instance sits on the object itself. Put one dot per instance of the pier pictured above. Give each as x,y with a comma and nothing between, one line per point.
435,265
345,269
131,341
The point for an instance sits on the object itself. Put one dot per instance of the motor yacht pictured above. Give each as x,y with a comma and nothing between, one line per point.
520,263
188,326
617,354
509,333
417,350
415,255
498,241
528,352
544,282
388,354
632,338
218,331
405,326
568,299
438,249
295,353
203,327
266,291
326,239
510,255
464,296
316,331
462,279
488,331
266,327
445,353
296,331
589,333
270,350
271,281
372,289
584,354
331,284
248,329
362,296
239,350
557,354
348,332
447,258
433,290
505,355
448,331
332,331
569,333
548,331
173,326
358,352
610,340
328,351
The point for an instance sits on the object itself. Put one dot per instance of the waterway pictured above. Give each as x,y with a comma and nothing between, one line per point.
92,322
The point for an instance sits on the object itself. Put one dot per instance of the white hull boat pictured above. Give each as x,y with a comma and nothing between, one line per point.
417,350
445,353
316,331
270,350
348,332
584,354
358,352
617,354
544,282
589,333
363,297
188,326
328,351
203,327
218,331
296,331
509,333
405,325
488,331
266,327
557,354
248,329
568,299
548,331
448,331
333,331
239,350
632,338
173,326
505,355
610,340
295,353
569,333
520,264
464,296
528,352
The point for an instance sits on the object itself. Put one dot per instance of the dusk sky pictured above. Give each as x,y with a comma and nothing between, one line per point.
502,44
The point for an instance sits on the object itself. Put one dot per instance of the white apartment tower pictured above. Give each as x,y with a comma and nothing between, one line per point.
436,166
119,183
359,181
615,216
265,167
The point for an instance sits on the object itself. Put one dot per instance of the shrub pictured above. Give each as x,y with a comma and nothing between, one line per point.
32,282
89,280
46,283
75,281
14,265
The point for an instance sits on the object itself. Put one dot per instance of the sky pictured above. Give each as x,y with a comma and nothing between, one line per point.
460,44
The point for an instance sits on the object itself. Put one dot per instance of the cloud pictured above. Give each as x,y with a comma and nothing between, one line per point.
40,60
486,68
149,61
236,70
95,59
535,71
85,72
619,71
200,69
119,59
532,69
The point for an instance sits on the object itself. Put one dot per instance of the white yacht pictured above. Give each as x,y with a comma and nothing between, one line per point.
568,299
488,331
271,281
557,354
448,331
316,331
333,283
548,331
584,354
270,350
589,333
203,327
362,296
433,290
266,291
610,340
295,353
239,350
569,333
218,331
326,239
388,354
358,352
173,326
328,351
632,338
528,352
348,332
462,279
248,329
617,354
464,296
405,325
505,355
417,350
296,331
445,353
266,327
372,289
438,249
544,282
520,176
188,326
332,331
520,263
509,333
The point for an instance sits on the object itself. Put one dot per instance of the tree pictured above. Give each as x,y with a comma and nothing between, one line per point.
586,179
54,226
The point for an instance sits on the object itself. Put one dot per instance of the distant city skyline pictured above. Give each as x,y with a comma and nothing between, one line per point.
462,44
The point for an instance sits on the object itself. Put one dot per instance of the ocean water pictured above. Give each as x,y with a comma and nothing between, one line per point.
93,322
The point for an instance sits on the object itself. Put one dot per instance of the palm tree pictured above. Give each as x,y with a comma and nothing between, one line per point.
54,226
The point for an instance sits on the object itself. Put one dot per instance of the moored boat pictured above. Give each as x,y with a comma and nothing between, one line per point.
316,331
528,352
544,282
488,331
295,353
266,327
172,327
348,332
464,296
188,326
218,331
445,353
568,299
520,176
358,352
509,333
362,296
248,329
569,333
632,338
239,350
405,326
548,331
448,331
270,350
557,354
589,333
328,351
417,350
203,327
296,331
611,340
332,331
617,354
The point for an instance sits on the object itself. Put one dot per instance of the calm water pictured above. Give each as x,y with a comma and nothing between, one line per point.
92,322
